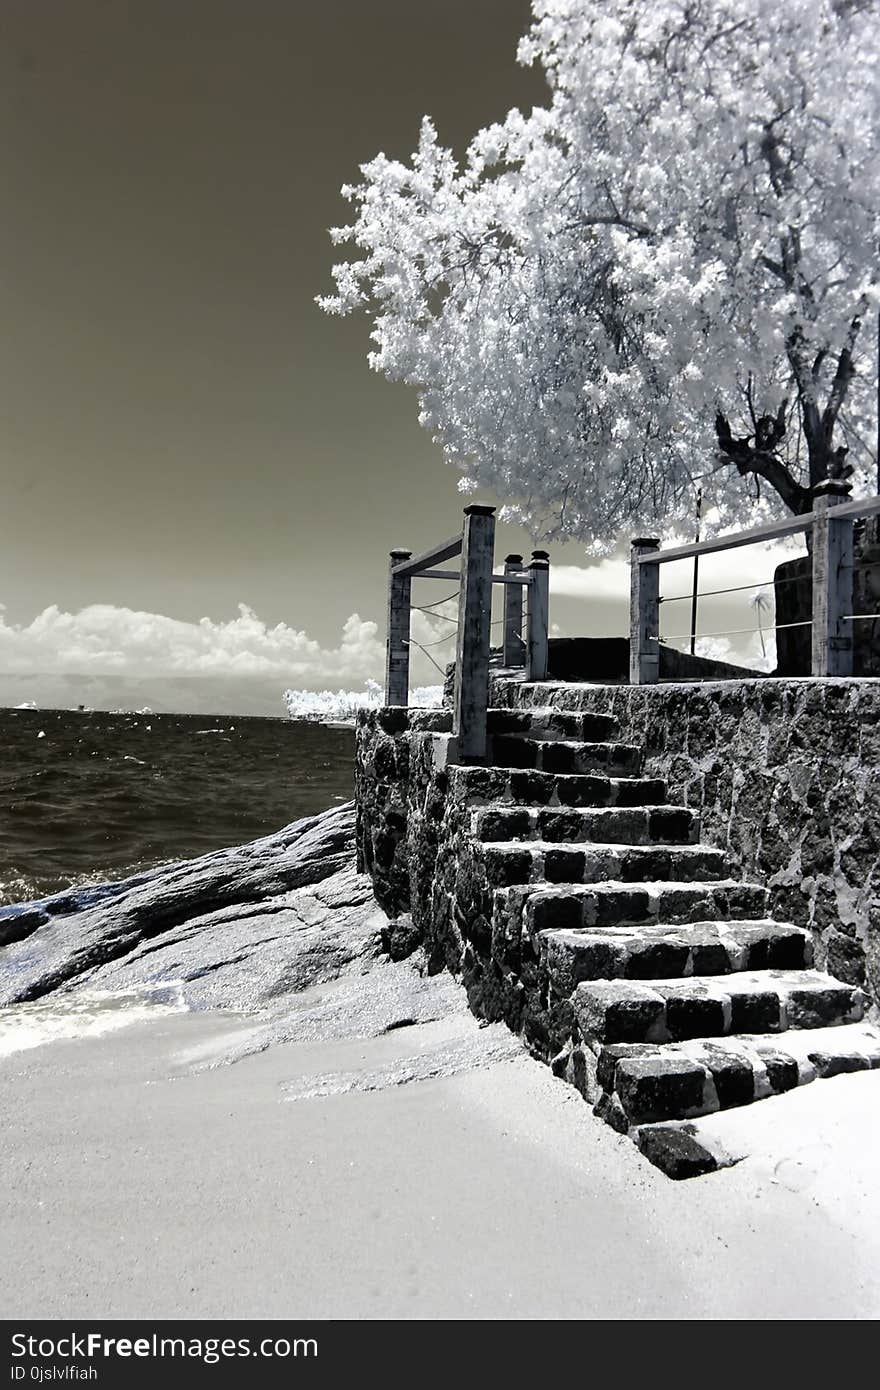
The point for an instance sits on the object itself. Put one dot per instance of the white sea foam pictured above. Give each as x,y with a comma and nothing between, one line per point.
86,1014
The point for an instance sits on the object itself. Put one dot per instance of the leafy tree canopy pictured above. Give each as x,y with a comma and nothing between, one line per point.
664,278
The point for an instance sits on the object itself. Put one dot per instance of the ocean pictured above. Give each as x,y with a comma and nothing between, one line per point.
90,796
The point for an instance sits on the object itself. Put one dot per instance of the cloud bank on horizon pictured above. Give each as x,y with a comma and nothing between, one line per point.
106,640
103,639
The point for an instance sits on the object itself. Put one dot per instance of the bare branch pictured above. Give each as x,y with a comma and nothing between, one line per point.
759,459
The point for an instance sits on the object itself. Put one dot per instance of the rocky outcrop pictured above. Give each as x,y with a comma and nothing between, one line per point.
284,933
237,926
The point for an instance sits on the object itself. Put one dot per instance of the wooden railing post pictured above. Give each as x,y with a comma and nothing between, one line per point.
644,615
832,581
514,646
397,638
537,650
471,695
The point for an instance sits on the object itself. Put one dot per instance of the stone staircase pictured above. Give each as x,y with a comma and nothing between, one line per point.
671,992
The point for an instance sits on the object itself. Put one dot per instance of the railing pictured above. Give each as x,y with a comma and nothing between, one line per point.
476,577
831,524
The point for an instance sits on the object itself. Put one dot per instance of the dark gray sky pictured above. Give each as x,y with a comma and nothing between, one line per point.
182,428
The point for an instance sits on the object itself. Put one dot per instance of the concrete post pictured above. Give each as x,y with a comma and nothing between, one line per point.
514,646
832,582
644,615
471,695
397,638
537,650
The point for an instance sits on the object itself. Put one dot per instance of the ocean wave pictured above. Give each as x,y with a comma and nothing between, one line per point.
105,796
86,1014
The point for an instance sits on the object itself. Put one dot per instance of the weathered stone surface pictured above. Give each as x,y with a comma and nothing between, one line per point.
782,1071
783,774
294,964
660,1088
670,1010
675,1151
655,1082
619,1011
565,890
558,756
401,938
267,917
734,1076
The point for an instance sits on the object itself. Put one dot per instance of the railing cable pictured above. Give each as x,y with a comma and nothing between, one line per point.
737,588
439,642
443,616
413,643
438,603
727,632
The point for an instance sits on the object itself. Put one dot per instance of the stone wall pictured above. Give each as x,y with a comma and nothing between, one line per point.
781,772
784,775
399,797
434,880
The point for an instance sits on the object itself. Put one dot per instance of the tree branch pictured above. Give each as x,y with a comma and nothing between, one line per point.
762,462
842,378
609,220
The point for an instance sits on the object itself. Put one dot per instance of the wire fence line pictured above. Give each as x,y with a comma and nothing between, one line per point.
428,609
438,603
444,617
736,589
449,637
762,584
413,643
727,632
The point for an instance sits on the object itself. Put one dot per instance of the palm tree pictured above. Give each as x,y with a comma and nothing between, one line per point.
760,601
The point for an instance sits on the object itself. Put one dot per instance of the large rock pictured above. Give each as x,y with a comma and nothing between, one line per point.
238,927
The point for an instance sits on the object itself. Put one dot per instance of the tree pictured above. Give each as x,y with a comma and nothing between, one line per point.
655,282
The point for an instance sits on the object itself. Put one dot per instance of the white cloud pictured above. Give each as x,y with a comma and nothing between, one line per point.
106,640
727,620
609,579
103,640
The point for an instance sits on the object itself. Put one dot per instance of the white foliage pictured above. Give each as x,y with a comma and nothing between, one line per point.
691,217
322,705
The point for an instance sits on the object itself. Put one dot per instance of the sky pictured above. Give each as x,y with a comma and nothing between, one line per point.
201,477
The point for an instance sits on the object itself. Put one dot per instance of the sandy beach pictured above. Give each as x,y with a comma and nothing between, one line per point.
314,1180
258,1111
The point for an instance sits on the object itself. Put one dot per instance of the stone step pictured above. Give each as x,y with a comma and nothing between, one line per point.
615,825
544,861
552,724
657,952
645,1083
529,788
711,1006
614,903
559,755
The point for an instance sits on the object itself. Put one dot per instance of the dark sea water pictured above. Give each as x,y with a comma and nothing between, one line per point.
101,796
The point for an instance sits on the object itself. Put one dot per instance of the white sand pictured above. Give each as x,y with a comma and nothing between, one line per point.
134,1186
